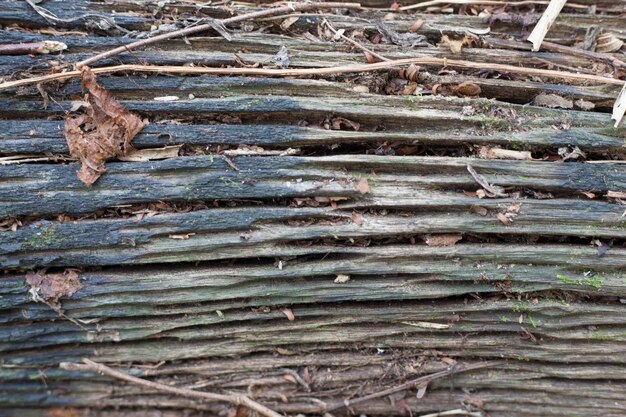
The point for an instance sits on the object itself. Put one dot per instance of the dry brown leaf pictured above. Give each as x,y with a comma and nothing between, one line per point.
51,287
290,378
339,122
478,210
64,412
553,101
448,361
362,186
588,194
444,239
416,26
456,45
467,89
357,218
504,219
411,73
103,132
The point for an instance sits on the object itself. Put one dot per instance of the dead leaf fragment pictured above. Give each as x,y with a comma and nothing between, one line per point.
342,279
339,123
444,239
565,153
553,101
357,218
362,186
456,45
51,287
103,132
504,219
467,89
416,26
478,210
287,312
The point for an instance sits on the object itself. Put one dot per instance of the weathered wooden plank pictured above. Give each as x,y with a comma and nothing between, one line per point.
398,272
49,189
205,178
548,320
19,12
217,233
40,136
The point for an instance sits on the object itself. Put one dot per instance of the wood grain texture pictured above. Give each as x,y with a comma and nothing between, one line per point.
199,294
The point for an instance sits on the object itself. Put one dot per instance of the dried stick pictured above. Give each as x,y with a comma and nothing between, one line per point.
543,25
222,22
294,72
421,381
184,392
32,48
555,47
355,43
484,2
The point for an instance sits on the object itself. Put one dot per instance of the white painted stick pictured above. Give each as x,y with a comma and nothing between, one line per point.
619,108
547,19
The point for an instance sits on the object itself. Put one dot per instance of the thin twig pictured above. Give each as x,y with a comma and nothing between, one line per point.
184,392
486,3
490,189
222,22
353,42
555,47
32,48
421,381
294,72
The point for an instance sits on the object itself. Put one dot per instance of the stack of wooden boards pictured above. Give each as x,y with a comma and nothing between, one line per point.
345,252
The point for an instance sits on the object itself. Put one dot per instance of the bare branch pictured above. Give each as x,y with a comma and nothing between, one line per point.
183,392
212,25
